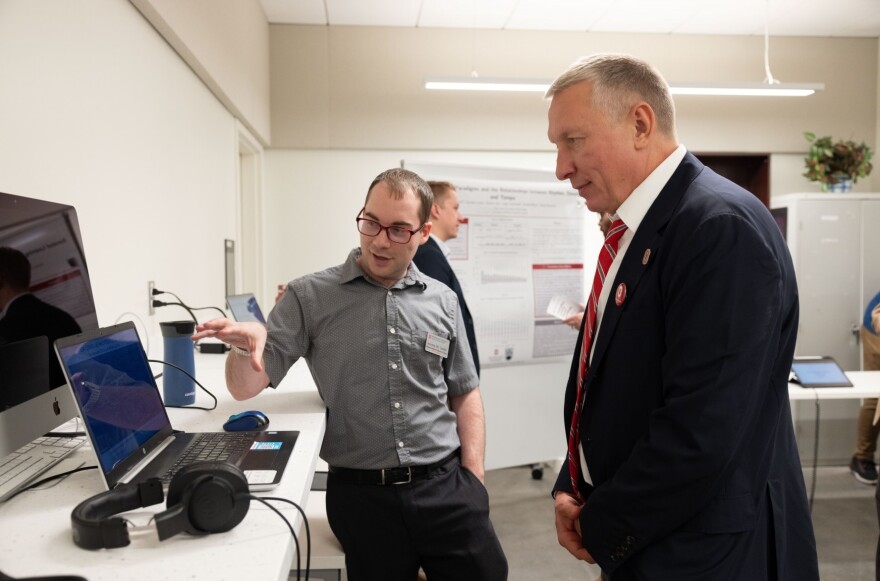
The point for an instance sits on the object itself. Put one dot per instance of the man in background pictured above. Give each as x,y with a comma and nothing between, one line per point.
405,437
432,257
682,461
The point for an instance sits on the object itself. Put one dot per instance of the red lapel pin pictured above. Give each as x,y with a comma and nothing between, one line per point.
620,294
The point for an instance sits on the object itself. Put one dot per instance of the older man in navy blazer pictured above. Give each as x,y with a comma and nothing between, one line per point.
686,466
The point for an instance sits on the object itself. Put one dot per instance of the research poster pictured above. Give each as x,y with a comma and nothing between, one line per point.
520,245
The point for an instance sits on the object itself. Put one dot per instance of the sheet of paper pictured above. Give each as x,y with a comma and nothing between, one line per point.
562,307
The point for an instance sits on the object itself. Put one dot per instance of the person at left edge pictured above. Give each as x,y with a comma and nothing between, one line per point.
405,430
432,257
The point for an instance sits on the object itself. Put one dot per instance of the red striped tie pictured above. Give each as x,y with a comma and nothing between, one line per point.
606,257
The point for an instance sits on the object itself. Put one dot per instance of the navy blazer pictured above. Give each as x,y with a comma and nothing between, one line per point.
431,261
686,425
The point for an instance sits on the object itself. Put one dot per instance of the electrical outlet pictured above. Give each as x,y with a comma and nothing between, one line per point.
151,310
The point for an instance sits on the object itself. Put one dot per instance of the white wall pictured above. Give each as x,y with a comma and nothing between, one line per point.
226,43
97,111
353,87
348,102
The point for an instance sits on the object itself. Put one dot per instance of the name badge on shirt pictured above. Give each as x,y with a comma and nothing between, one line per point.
437,345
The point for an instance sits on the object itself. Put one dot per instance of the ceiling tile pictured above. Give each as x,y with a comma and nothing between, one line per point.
299,12
845,18
465,13
557,14
373,12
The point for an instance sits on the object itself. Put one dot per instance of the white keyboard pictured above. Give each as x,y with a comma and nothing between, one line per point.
31,460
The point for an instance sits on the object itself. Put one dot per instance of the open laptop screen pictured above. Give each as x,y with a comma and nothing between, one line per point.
117,396
245,308
819,372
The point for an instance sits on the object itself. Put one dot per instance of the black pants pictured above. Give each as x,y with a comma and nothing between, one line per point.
439,523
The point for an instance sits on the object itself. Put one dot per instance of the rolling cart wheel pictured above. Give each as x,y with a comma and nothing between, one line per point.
537,472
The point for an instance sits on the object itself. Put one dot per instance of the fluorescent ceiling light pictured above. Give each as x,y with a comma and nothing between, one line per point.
747,89
487,84
717,89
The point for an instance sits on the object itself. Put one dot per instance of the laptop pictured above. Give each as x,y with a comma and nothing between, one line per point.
820,371
244,308
126,421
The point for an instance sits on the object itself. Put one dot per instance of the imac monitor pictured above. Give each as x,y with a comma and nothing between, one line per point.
56,302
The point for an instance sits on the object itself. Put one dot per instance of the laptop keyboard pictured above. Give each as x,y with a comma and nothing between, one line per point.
31,459
218,447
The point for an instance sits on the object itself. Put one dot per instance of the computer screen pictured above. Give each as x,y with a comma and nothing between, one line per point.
245,308
45,294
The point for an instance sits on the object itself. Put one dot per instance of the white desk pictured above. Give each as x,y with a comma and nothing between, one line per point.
865,384
35,531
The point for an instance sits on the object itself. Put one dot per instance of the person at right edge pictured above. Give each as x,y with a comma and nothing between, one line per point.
862,464
686,465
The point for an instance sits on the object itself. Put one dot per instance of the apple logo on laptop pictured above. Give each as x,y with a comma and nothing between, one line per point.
56,407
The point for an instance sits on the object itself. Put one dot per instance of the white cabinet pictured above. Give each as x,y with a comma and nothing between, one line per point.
834,241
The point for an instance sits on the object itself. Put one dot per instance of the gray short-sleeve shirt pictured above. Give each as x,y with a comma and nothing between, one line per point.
369,351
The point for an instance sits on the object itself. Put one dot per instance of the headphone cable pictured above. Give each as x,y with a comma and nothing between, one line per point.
264,500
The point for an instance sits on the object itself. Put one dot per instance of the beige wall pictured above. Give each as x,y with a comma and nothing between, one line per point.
362,88
348,102
226,43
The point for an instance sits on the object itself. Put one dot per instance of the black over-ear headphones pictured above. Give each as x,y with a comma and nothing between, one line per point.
203,498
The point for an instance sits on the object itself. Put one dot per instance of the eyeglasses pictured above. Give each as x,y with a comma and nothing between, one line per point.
396,234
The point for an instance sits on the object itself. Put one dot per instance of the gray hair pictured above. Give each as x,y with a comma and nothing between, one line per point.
619,82
401,182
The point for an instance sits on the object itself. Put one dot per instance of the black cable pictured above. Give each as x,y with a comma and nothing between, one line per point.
185,372
48,479
5,577
295,539
218,309
161,292
184,305
63,435
164,304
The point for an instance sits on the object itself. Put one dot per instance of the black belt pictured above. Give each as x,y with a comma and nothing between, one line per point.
399,475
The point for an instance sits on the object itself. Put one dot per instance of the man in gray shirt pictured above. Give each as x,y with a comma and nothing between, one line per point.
405,434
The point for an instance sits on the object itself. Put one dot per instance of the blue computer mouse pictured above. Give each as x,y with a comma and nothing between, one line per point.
246,422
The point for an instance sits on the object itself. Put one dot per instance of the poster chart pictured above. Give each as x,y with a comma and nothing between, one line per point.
520,245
